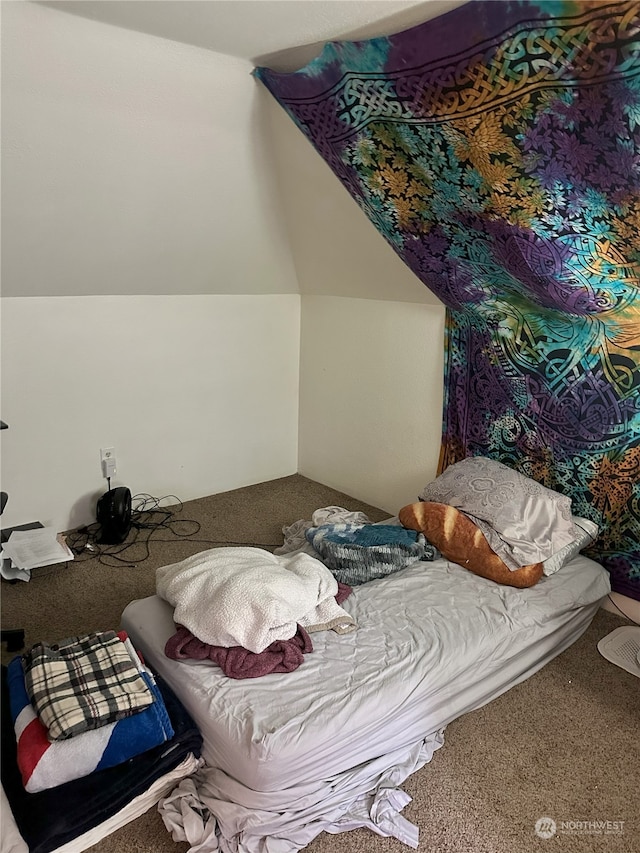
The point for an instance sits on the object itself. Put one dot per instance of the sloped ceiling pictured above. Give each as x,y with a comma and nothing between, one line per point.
282,34
259,30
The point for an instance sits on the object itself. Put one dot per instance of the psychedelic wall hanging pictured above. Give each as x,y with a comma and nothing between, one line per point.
497,150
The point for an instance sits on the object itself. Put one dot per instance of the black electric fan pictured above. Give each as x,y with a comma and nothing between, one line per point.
113,513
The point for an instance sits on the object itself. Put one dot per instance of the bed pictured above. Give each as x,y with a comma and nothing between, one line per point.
327,747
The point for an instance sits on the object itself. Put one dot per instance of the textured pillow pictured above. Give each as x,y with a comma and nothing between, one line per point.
523,521
588,530
462,542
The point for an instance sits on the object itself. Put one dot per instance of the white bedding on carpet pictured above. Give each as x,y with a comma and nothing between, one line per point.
326,747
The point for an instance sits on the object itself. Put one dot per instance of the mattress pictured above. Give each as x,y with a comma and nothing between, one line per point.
364,710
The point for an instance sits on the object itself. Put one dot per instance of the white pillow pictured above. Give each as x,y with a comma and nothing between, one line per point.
523,521
588,532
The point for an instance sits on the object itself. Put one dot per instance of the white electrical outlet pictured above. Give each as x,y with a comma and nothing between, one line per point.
108,460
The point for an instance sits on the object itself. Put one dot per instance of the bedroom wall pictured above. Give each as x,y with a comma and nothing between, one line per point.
135,166
149,297
150,290
198,395
370,396
371,339
131,164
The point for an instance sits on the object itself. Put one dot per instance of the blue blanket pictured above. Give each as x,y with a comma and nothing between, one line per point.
45,764
54,817
358,553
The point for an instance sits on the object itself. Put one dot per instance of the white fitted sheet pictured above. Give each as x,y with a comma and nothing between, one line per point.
433,642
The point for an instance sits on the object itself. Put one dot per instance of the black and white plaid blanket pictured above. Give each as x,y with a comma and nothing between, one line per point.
83,683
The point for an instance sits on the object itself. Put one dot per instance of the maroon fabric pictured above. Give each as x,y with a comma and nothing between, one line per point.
238,662
344,591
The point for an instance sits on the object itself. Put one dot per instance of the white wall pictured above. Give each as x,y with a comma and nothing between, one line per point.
198,395
137,165
137,191
132,164
371,396
372,342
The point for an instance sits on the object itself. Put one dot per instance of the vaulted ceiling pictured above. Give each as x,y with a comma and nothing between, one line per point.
259,30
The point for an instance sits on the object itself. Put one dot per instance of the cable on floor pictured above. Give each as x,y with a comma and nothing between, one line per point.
148,518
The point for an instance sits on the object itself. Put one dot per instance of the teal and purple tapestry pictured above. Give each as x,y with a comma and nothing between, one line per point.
497,149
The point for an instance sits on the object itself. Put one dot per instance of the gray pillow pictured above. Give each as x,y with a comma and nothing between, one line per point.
588,532
523,521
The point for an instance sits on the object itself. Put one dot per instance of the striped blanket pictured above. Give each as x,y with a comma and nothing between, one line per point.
45,764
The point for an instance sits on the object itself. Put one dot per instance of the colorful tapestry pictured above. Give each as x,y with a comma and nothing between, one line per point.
497,150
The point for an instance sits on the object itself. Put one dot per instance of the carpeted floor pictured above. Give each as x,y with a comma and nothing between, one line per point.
564,744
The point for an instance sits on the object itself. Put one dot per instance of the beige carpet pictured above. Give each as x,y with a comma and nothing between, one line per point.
564,744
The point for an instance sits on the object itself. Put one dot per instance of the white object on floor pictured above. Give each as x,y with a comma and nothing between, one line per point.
622,647
31,549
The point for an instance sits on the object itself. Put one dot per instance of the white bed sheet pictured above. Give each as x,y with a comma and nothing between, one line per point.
433,642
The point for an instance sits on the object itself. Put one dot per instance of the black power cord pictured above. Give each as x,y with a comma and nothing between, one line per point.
148,517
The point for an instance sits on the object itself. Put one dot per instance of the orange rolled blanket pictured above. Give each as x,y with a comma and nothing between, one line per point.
461,541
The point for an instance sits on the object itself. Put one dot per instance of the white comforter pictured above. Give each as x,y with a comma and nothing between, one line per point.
249,597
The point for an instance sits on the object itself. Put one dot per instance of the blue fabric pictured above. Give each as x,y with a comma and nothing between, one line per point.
49,819
358,553
131,735
139,732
